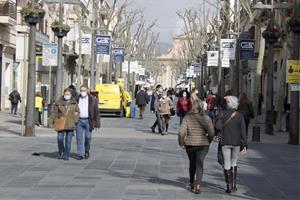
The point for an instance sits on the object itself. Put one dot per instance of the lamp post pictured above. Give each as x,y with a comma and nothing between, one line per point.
294,121
271,35
32,17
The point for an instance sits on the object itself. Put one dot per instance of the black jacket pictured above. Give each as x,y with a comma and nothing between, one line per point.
142,98
246,109
234,132
94,116
14,97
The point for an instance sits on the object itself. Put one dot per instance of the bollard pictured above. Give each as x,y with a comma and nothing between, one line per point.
256,134
45,116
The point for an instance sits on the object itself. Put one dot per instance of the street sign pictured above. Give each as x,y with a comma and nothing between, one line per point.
86,44
293,71
247,49
118,54
49,54
228,47
295,87
103,44
212,58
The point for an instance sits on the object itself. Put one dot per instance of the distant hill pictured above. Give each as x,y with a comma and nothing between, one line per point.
163,47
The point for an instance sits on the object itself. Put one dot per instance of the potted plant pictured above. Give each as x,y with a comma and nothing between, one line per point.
32,15
271,35
294,24
59,29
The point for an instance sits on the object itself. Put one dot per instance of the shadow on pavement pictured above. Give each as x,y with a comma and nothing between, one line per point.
52,155
10,131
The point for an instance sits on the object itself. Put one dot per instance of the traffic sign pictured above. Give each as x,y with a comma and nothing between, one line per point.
293,71
49,54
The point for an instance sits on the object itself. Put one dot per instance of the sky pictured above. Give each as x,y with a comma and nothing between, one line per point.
164,11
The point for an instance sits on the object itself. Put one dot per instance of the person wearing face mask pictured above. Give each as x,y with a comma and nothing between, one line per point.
154,108
184,105
68,107
164,107
89,119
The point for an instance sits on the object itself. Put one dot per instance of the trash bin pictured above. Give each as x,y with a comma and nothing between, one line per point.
132,111
256,134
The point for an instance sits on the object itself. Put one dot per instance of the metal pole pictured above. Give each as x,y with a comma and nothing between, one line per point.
294,122
269,121
80,56
93,55
30,107
202,81
128,75
50,83
24,92
59,71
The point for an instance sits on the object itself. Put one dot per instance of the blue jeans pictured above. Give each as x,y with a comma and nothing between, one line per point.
64,149
83,129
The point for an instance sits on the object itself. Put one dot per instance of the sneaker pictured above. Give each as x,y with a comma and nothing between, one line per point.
60,156
87,155
80,158
66,158
153,129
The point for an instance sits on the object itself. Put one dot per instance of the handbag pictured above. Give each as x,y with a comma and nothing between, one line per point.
172,111
61,122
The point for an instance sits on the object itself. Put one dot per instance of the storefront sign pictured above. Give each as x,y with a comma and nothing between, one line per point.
118,54
293,71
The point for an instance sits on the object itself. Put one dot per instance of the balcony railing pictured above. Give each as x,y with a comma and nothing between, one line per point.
8,8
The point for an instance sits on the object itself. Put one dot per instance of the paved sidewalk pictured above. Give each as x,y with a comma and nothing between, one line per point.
129,162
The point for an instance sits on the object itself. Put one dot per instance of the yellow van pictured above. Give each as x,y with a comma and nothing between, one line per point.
110,99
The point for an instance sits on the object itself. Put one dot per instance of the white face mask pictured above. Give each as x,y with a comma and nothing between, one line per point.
164,96
83,94
196,92
184,94
67,97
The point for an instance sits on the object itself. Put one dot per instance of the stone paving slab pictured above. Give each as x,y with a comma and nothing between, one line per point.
140,169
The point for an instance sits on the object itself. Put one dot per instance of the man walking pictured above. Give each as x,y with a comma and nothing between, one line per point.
154,108
14,98
89,119
142,99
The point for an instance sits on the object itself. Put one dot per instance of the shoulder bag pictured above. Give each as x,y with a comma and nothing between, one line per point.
61,122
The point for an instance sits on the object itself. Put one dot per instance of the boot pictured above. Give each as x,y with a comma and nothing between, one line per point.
228,179
234,188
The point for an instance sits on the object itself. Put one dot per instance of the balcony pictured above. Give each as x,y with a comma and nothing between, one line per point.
8,13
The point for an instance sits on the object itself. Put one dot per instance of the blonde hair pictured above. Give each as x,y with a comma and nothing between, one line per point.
197,106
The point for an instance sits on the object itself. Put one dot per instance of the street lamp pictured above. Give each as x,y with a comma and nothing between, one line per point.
271,36
294,24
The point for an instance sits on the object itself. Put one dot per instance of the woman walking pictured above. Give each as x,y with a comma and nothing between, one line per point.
233,140
65,115
195,134
246,109
165,105
184,105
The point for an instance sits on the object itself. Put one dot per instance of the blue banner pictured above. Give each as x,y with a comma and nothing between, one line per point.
247,49
119,54
103,44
